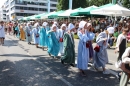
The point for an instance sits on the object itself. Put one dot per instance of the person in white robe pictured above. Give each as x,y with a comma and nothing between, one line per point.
36,34
101,56
83,50
28,28
2,33
61,35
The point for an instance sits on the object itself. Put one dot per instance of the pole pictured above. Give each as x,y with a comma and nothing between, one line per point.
48,3
70,4
38,6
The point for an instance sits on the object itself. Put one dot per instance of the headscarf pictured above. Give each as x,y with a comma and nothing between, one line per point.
44,24
63,25
28,23
88,24
53,26
55,23
36,24
70,26
82,24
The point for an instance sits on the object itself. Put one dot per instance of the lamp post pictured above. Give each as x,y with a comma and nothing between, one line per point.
48,5
70,4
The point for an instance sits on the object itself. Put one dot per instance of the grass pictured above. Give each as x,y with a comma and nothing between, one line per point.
76,36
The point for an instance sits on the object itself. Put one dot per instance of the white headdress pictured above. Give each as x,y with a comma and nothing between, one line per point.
82,24
88,24
44,24
53,26
63,25
28,23
55,23
36,24
70,26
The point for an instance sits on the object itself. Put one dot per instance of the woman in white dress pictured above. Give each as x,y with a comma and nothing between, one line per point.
2,33
61,35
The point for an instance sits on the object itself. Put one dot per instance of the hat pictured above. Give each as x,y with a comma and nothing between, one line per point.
70,26
82,24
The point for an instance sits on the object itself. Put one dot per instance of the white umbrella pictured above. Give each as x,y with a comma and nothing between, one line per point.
116,10
46,16
66,13
119,10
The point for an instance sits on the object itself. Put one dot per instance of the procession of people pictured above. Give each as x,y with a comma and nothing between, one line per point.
57,38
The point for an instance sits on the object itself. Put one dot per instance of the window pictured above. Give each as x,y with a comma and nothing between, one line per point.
53,5
52,10
54,0
17,7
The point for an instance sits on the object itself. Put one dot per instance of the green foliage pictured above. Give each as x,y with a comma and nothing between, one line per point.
126,3
64,4
76,36
99,2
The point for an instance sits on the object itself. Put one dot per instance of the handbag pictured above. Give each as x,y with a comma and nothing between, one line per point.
37,35
97,48
87,45
28,34
61,40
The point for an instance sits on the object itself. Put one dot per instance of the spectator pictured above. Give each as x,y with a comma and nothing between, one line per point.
2,33
115,34
111,32
125,67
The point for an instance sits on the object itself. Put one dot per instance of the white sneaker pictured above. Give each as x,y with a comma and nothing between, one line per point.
59,54
106,72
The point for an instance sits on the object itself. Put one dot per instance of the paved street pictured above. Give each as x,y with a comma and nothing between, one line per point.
24,65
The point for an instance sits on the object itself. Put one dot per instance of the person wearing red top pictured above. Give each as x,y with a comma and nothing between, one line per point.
10,27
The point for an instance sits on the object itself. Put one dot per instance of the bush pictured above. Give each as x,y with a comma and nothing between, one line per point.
76,36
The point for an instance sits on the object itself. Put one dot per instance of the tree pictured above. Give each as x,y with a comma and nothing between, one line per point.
64,4
99,2
126,3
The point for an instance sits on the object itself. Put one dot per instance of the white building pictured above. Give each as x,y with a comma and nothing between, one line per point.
2,13
16,9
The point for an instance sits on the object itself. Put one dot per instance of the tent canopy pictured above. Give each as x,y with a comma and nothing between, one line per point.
75,11
112,10
87,10
55,15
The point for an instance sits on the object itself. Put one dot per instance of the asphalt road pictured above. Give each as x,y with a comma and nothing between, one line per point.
24,65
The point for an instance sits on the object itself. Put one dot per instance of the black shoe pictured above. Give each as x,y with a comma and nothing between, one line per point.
118,76
54,57
62,61
72,65
49,54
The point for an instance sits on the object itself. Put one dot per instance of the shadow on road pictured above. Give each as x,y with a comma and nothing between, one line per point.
11,43
19,55
31,73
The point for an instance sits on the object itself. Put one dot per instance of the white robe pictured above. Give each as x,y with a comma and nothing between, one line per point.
36,39
2,32
60,31
83,52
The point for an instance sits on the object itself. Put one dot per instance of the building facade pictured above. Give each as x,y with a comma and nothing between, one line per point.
2,13
16,9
